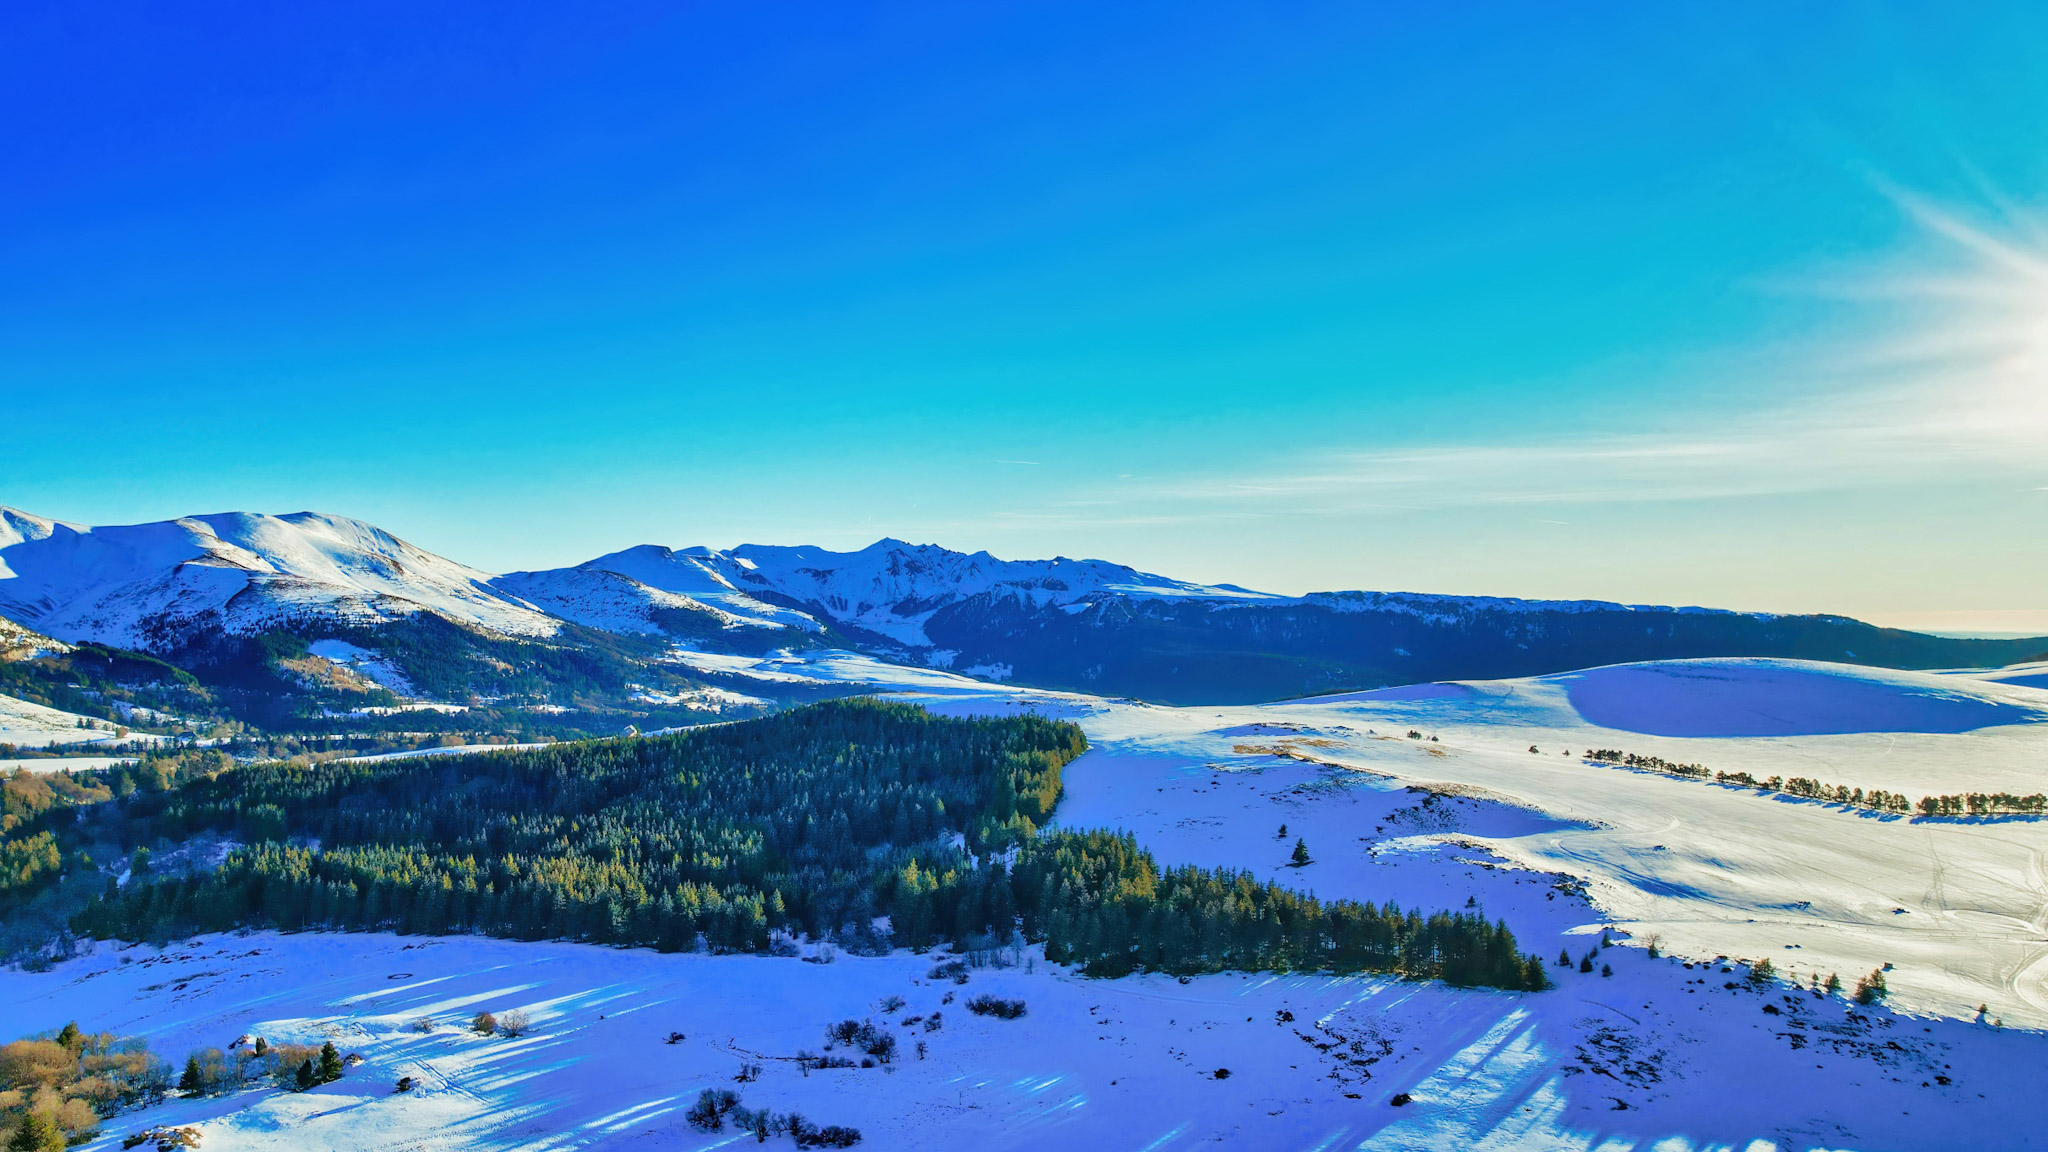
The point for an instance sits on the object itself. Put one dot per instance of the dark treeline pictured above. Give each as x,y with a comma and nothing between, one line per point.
1876,799
1984,804
1648,763
814,821
1104,903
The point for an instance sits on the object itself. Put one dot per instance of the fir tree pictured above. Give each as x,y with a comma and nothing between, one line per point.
1871,989
1586,962
330,1063
193,1079
1564,958
1301,856
306,1078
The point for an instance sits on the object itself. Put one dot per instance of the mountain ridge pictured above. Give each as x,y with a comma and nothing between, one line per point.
1086,624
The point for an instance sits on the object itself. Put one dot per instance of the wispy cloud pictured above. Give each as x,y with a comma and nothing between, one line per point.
1942,375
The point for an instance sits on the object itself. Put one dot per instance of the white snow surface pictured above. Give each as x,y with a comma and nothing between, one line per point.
131,585
26,724
1312,1062
42,764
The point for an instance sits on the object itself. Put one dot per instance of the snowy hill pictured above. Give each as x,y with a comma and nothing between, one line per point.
151,585
642,588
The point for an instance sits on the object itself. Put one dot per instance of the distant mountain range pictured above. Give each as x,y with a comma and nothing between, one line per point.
207,591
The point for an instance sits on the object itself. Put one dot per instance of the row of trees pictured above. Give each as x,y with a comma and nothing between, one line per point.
1875,799
814,821
1984,804
1647,763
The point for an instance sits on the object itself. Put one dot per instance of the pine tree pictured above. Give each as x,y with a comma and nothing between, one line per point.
307,1078
193,1079
1834,984
1607,969
1586,962
1564,958
1762,972
1871,989
68,1035
1301,855
330,1063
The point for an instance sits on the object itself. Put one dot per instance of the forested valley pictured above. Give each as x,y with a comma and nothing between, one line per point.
820,821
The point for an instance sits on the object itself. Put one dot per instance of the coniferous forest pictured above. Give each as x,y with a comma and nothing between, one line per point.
816,821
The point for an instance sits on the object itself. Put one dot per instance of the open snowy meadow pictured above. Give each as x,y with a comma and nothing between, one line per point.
1438,796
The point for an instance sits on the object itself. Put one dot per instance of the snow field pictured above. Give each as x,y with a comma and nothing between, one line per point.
26,724
1128,1063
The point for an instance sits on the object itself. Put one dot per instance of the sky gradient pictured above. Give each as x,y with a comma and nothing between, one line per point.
1739,305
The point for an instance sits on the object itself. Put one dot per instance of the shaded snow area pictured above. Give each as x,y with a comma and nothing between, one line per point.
1429,796
1790,698
449,750
1309,1063
133,584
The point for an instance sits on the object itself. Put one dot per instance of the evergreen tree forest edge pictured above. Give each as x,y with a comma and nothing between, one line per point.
815,821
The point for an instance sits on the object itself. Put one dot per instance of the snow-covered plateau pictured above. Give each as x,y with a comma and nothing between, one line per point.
1431,795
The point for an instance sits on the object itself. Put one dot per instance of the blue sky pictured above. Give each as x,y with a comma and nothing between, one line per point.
1724,304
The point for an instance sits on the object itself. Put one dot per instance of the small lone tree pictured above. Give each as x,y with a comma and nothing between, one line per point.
1762,972
1564,958
1871,989
1834,984
514,1024
330,1063
1586,962
1301,855
484,1024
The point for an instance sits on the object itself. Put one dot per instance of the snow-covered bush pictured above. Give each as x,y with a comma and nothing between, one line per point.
986,1005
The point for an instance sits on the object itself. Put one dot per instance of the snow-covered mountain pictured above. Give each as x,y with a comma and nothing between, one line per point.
1087,624
152,585
641,588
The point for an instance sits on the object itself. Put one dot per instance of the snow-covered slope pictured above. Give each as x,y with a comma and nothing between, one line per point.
19,643
892,588
630,591
148,585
